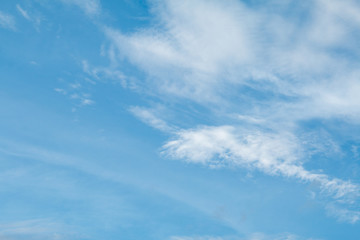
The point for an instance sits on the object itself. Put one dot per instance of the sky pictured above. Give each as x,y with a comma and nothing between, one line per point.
179,120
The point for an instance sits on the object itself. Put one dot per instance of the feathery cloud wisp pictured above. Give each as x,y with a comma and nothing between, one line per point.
268,67
23,12
7,21
273,154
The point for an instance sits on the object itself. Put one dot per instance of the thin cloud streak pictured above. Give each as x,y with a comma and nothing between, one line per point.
23,12
148,117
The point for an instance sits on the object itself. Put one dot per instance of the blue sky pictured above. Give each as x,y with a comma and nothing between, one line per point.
179,120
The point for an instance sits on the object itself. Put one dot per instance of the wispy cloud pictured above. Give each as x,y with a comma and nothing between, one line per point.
35,229
75,91
148,116
266,68
270,153
104,74
34,18
7,21
23,12
343,214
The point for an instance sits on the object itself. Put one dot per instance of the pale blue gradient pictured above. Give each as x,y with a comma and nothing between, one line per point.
84,122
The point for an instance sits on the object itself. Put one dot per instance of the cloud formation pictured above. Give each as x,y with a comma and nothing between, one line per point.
275,66
23,12
211,47
7,21
273,154
148,116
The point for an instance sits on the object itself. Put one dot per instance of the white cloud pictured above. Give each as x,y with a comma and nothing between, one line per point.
76,93
188,45
7,21
107,73
83,98
272,70
23,12
272,153
75,85
343,214
60,90
87,101
34,18
147,116
211,47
